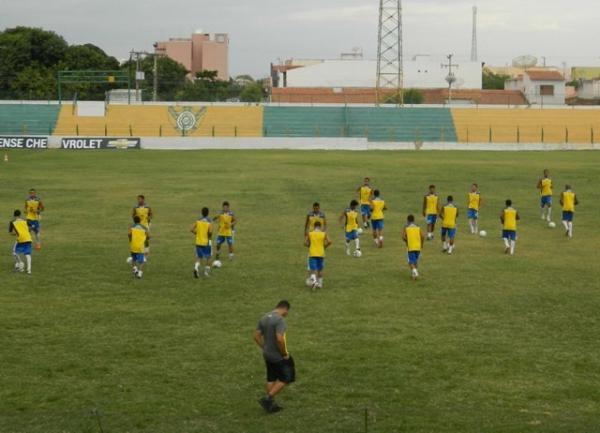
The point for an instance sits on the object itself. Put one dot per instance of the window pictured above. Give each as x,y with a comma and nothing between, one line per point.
546,90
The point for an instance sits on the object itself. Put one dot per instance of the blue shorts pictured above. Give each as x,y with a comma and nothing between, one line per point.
34,225
472,214
413,257
350,236
431,218
203,251
23,248
451,233
365,209
222,239
138,258
546,200
316,263
511,235
377,224
568,216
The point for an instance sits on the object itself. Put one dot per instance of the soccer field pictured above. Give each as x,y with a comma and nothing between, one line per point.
483,342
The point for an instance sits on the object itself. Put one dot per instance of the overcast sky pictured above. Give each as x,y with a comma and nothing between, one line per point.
262,31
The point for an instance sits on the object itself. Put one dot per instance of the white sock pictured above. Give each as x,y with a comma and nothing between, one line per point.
445,245
140,273
566,225
543,213
18,260
357,243
506,243
348,247
512,246
451,248
135,269
28,260
197,266
549,214
570,229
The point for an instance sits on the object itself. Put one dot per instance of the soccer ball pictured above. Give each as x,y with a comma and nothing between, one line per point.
552,225
19,267
217,264
357,254
483,233
359,231
129,260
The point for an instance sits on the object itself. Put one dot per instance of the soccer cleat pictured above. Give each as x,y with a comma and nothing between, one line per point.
275,408
196,274
506,250
266,403
348,251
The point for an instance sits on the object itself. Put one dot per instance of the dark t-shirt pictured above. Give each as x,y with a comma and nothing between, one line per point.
269,326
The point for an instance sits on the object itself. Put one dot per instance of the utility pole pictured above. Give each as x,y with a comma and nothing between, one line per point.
155,79
474,37
390,70
450,78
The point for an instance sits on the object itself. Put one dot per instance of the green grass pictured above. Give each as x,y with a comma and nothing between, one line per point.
483,343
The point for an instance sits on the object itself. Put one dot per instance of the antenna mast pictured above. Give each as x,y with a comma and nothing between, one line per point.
390,72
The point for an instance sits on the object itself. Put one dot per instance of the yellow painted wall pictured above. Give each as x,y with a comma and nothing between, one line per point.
526,125
154,121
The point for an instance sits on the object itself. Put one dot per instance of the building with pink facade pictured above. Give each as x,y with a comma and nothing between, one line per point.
201,52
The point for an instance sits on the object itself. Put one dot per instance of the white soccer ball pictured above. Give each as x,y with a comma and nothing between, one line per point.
357,254
359,231
19,267
129,260
483,233
552,224
217,264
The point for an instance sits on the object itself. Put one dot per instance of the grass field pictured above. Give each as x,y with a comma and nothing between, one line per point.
483,343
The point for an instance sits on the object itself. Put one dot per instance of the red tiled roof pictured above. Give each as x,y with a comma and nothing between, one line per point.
538,75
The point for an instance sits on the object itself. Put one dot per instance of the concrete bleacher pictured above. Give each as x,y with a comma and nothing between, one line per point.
28,119
377,124
527,125
161,121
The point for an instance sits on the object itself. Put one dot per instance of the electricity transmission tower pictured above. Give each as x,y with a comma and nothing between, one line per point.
450,78
390,73
474,39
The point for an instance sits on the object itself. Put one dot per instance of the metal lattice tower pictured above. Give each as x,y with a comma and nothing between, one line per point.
474,40
390,72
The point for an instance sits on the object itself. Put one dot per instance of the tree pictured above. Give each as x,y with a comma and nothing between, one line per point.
252,93
494,81
172,76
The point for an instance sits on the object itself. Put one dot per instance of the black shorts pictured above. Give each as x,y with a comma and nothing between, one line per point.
282,371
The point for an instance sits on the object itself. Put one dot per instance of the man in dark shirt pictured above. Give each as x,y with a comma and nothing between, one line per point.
270,337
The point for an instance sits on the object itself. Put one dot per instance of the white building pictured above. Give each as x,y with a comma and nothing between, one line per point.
540,87
589,89
418,74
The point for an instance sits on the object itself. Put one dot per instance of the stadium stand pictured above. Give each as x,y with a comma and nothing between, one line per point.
527,125
157,121
34,119
378,124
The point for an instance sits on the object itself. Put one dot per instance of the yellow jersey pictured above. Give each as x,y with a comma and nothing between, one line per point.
32,205
365,194
351,220
22,230
568,199
377,206
313,217
143,212
413,238
225,224
431,204
474,200
203,228
510,219
139,235
316,243
546,188
450,214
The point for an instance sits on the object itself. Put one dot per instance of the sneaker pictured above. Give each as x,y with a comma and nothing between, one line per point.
29,272
266,403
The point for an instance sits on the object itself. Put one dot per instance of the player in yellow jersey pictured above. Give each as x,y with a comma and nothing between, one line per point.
317,241
568,200
509,217
545,187
475,203
138,235
19,227
449,214
203,231
313,217
144,212
431,209
365,194
349,219
378,207
33,210
227,221
414,239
